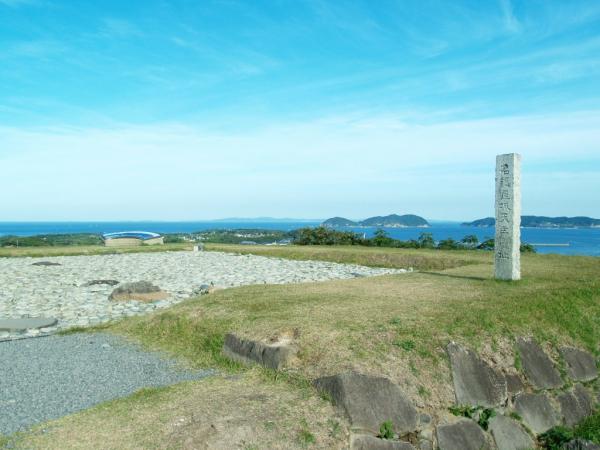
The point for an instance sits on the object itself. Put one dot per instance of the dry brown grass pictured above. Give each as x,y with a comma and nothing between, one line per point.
368,256
220,413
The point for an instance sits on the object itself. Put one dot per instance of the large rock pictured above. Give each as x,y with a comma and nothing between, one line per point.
575,405
514,384
142,291
20,325
462,435
537,365
274,356
509,434
369,401
581,365
475,382
368,442
537,412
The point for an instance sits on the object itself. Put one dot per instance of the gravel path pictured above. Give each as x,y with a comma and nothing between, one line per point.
49,377
62,290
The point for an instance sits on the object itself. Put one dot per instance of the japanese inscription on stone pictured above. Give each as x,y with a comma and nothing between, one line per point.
508,217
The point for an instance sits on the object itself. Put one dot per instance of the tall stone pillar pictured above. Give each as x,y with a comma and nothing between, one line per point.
508,217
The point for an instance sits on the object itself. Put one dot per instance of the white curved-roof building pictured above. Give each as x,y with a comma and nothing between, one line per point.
132,238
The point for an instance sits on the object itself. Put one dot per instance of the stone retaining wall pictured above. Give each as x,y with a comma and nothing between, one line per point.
496,408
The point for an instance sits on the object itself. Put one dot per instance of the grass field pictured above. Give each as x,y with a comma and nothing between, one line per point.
367,256
397,326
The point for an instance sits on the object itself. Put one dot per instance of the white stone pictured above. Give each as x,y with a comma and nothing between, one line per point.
507,253
31,291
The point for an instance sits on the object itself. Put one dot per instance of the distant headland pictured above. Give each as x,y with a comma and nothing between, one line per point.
542,222
391,221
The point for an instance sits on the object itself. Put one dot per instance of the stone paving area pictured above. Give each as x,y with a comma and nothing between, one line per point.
45,379
62,289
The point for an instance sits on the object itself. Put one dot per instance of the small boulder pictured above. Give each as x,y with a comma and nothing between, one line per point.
509,434
462,435
368,401
537,412
202,289
575,405
537,365
274,356
581,365
475,382
142,291
368,442
45,263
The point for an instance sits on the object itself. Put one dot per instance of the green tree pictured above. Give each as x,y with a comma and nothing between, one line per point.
381,239
470,240
426,240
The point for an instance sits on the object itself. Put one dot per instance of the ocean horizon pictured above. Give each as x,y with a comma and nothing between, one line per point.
566,241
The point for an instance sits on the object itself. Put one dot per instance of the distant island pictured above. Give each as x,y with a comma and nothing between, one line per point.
391,221
542,222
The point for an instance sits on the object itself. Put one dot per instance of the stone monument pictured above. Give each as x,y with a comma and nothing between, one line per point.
508,217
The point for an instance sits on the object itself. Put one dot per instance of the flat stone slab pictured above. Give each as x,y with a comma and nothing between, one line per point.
246,351
369,401
537,412
26,324
475,382
368,442
462,435
575,405
537,365
581,365
509,434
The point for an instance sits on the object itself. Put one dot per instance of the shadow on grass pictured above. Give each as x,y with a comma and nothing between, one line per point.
462,277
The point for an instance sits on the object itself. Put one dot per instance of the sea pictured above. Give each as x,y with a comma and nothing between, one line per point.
565,241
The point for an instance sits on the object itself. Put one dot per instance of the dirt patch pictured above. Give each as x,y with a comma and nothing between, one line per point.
235,412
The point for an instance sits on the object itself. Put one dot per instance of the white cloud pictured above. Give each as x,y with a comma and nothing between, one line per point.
340,165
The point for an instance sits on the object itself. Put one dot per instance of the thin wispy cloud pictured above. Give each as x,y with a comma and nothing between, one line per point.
119,28
511,22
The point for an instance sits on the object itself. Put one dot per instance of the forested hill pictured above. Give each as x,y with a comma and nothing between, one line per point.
543,222
392,221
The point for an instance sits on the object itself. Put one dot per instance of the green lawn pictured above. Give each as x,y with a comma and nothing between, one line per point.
397,325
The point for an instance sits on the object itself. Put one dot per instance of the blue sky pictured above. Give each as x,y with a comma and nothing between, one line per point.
186,110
